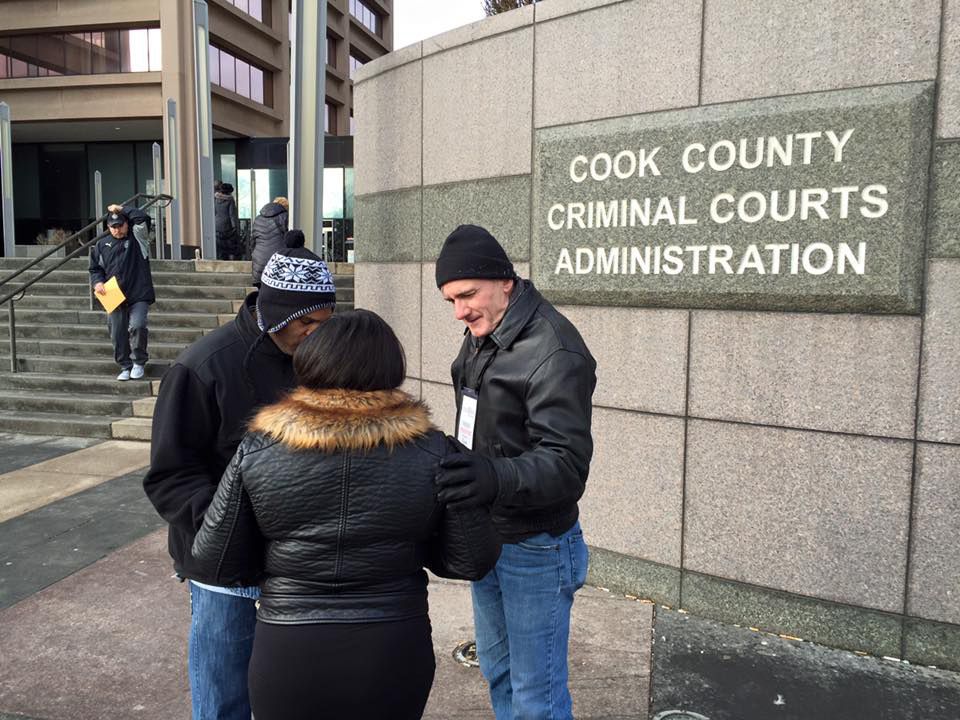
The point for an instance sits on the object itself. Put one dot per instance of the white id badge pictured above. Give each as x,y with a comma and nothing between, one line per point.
468,417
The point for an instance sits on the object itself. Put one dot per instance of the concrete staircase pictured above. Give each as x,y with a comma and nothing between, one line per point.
65,384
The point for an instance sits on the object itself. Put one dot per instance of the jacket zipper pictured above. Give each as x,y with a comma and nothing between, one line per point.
341,530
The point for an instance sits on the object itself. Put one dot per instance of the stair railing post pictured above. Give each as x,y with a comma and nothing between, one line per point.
98,201
13,338
98,194
157,189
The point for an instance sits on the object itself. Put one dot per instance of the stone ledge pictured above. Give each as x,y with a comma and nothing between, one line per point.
932,643
633,576
834,624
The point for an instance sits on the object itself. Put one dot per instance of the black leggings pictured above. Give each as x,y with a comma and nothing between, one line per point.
355,671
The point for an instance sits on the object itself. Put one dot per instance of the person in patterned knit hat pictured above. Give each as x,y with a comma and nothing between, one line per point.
207,397
294,284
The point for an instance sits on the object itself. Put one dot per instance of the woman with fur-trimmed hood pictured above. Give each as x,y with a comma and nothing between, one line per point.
331,498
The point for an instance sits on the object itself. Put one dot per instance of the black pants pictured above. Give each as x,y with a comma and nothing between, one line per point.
355,671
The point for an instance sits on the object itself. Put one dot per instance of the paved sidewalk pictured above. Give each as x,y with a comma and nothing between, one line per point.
63,471
93,625
108,643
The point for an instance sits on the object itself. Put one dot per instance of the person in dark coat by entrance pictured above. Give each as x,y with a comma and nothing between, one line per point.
269,228
205,402
330,499
229,246
125,255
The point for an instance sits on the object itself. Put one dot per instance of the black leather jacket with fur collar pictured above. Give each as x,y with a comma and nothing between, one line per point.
330,497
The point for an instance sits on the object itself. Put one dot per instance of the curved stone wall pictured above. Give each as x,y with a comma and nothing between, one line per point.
777,437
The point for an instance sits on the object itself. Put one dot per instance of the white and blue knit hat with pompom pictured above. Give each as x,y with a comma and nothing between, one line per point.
294,283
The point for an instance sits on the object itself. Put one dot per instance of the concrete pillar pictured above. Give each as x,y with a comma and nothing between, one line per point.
305,151
6,181
201,26
179,85
171,150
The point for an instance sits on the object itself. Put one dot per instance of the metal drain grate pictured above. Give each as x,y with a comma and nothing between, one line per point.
465,653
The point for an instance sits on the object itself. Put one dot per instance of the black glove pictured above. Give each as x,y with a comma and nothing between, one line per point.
466,480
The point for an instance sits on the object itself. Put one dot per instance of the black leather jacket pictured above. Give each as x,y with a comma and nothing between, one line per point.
536,380
330,497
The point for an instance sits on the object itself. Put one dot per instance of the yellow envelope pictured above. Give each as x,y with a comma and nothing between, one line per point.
113,297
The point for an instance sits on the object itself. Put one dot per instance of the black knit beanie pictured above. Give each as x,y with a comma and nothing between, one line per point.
471,252
295,282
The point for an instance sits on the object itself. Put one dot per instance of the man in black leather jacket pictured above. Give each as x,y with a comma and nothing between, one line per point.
205,402
524,380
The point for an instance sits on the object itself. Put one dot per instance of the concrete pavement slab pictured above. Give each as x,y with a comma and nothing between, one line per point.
19,451
109,643
50,543
106,643
724,672
34,486
609,656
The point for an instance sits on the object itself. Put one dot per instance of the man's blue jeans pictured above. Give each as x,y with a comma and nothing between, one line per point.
521,614
128,332
221,641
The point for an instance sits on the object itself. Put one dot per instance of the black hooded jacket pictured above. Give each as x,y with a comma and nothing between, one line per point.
127,259
536,379
331,497
203,407
227,224
267,236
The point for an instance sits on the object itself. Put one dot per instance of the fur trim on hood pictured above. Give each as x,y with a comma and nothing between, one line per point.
331,420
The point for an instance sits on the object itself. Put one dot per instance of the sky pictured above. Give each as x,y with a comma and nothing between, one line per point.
415,20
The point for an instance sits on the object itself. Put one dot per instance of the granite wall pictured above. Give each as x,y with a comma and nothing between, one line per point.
776,452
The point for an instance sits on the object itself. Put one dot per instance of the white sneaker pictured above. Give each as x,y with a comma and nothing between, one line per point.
124,375
137,372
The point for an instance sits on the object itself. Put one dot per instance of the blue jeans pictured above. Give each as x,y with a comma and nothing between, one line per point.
221,641
128,332
521,614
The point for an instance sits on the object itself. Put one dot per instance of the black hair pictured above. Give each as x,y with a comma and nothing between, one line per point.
353,350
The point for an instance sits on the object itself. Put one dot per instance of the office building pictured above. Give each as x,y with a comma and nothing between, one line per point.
87,83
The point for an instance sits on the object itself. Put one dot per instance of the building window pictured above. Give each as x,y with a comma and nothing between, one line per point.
331,51
253,8
232,73
330,119
353,124
82,53
355,62
366,17
214,65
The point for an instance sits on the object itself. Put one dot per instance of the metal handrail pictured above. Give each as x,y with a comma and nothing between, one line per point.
12,296
71,238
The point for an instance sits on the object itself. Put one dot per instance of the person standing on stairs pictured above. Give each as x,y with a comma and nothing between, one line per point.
229,244
269,228
125,254
206,399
